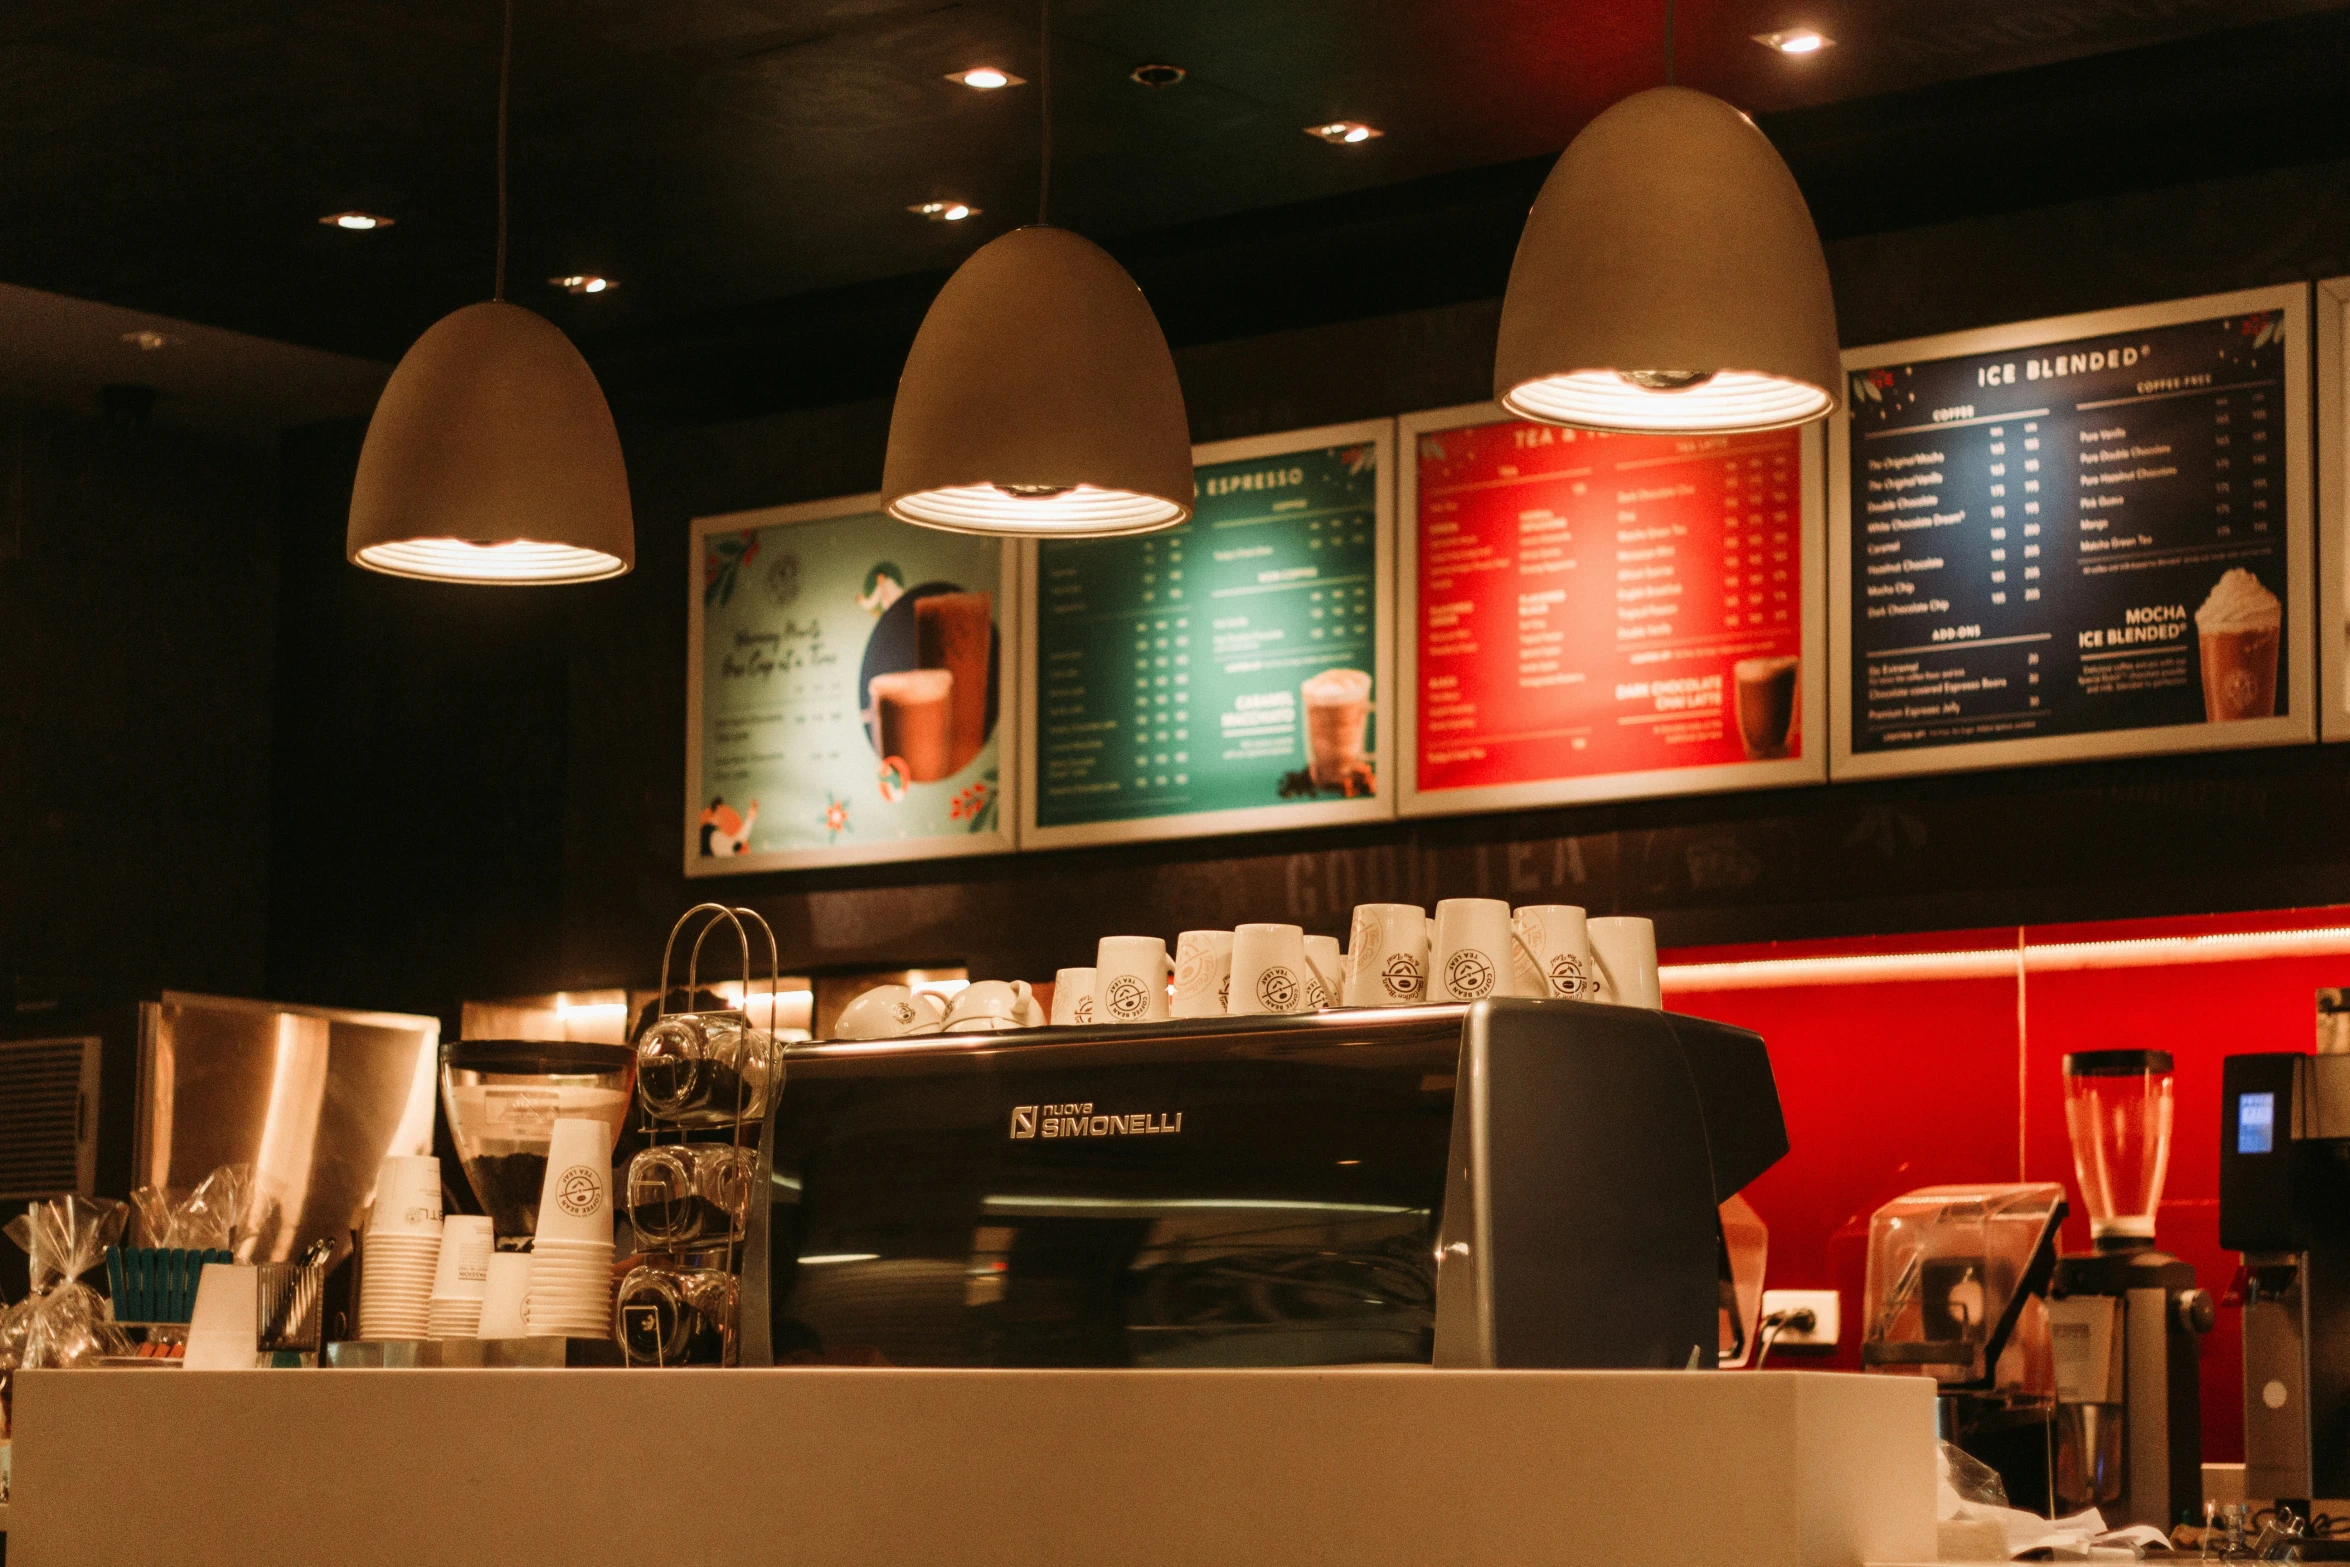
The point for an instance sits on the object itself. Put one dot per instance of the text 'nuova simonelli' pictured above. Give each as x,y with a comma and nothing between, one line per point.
1078,1120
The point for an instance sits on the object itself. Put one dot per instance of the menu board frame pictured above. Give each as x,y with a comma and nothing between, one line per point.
1710,778
1002,838
2333,505
2297,671
1380,433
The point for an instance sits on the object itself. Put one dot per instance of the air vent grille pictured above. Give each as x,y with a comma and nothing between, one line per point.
44,1122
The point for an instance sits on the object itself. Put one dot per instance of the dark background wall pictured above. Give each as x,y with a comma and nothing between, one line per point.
479,793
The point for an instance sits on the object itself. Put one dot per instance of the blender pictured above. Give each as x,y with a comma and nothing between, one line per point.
2126,1320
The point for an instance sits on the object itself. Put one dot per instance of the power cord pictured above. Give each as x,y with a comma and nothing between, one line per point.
1799,1319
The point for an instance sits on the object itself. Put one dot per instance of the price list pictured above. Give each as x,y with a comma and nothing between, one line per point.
1601,604
2077,538
1227,664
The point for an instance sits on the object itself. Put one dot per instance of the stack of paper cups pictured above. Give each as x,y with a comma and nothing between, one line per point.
460,1278
402,1249
505,1293
571,1256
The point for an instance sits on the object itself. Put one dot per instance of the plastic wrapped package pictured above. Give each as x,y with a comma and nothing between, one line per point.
227,1211
63,1322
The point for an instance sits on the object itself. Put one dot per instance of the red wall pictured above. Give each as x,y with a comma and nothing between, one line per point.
1895,1082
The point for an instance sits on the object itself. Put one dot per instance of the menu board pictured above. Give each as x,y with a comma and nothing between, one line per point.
1603,616
2080,537
1223,675
2333,504
842,695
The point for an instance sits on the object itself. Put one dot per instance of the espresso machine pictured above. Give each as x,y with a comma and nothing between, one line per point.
1510,1183
2284,1202
2126,1321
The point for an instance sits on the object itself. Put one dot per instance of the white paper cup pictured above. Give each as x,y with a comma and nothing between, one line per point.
1325,972
1623,952
1268,969
1386,956
1469,954
1552,952
1072,997
576,1202
407,1196
1130,980
507,1291
464,1263
1203,973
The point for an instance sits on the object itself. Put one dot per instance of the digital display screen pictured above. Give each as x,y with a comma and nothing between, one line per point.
2256,1123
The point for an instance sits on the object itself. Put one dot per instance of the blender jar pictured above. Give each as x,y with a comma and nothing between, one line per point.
2117,1108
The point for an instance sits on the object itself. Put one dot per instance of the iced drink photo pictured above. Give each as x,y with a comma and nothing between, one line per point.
1338,712
1766,704
913,720
2238,628
955,632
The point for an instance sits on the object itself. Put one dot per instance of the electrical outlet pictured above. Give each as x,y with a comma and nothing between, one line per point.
1822,1304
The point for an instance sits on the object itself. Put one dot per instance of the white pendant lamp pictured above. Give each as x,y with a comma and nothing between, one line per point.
1669,280
491,456
1039,398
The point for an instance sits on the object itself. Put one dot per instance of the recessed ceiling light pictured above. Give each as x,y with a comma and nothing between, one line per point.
147,340
944,211
583,283
1346,133
985,78
356,221
1795,40
1157,75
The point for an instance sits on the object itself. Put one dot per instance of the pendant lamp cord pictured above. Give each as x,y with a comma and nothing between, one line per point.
1044,108
505,88
1668,43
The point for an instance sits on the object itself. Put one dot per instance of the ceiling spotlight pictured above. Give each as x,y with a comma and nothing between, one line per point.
356,221
1796,40
583,283
1156,75
146,340
1344,132
944,211
985,78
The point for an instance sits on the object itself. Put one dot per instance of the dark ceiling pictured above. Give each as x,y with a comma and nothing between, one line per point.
742,167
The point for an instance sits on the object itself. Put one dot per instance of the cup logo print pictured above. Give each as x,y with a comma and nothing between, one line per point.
1316,997
1402,977
1277,988
1194,968
580,1192
1085,1009
1469,973
902,1011
1128,998
1567,979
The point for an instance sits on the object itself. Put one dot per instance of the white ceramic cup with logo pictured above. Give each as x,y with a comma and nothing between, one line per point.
1469,955
575,1204
1325,972
890,1012
1072,997
1623,956
1386,956
1130,980
990,1004
1268,969
1203,972
1553,952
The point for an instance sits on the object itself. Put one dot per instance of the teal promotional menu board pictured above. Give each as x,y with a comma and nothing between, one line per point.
1228,674
843,696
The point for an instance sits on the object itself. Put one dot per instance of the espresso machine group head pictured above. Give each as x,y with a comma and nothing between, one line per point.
2284,1202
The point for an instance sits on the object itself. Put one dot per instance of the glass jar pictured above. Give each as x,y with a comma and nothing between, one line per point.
707,1069
676,1315
692,1194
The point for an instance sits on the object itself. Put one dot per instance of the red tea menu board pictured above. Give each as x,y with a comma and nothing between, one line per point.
1600,616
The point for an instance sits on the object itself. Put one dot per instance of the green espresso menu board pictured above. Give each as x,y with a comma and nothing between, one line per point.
1225,675
843,702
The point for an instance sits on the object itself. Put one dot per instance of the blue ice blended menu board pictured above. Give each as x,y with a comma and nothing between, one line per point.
2072,539
1221,674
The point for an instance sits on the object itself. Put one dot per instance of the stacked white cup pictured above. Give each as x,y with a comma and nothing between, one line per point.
571,1256
461,1278
402,1249
505,1296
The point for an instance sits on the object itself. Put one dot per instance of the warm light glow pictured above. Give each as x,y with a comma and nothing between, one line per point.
1614,400
985,78
1156,75
146,341
583,283
1081,510
358,222
508,561
1860,968
1344,132
944,211
841,1256
1795,40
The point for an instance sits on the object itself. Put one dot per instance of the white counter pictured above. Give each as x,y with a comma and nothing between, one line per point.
1197,1468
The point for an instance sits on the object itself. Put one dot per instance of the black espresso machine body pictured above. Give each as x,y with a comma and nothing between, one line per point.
1513,1183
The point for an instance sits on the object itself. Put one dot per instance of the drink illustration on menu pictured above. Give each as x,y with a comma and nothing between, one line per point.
2070,539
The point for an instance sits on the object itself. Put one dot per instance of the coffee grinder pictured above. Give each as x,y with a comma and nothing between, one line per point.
2284,1202
2126,1321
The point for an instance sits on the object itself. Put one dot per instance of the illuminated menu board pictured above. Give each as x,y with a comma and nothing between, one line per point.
1227,674
2082,537
1603,616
